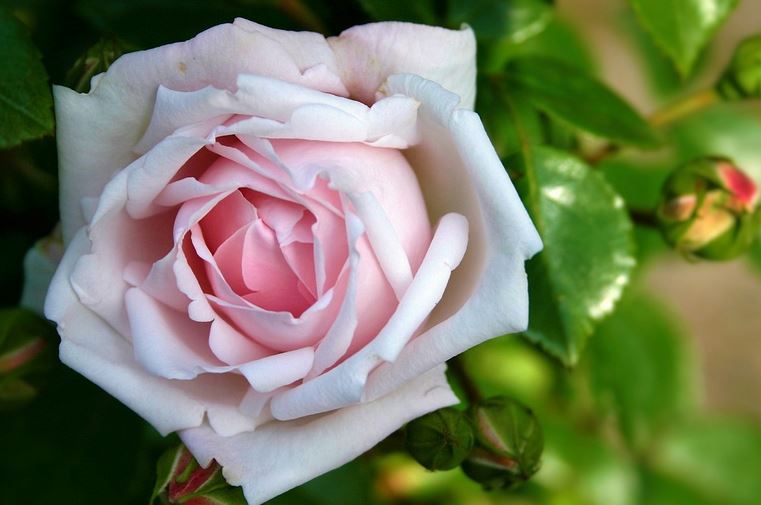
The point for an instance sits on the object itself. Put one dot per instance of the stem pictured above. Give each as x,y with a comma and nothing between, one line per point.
666,115
685,106
598,156
468,386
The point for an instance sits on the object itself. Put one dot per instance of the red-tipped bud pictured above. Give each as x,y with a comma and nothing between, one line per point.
710,209
181,480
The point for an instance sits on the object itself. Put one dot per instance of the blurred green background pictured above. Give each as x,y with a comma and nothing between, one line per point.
663,405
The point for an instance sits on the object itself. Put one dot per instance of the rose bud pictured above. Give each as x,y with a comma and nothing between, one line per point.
709,209
742,78
94,61
261,229
23,356
440,440
509,443
181,480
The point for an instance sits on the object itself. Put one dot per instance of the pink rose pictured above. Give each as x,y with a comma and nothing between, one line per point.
260,231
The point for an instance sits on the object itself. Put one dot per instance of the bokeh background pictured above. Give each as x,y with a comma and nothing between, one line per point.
663,409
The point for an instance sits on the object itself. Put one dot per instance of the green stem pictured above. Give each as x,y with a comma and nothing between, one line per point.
663,117
457,367
684,107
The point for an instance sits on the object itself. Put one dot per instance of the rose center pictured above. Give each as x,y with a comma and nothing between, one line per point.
264,248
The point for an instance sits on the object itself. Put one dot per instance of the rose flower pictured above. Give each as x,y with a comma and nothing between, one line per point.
274,241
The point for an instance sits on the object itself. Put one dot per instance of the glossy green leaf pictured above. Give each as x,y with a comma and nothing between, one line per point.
682,28
638,368
419,11
25,100
717,458
514,21
575,97
588,251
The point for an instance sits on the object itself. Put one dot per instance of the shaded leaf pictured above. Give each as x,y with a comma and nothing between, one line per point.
638,368
419,11
572,95
682,28
717,458
25,99
514,21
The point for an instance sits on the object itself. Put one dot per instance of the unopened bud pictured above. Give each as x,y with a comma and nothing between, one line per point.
742,78
509,443
709,209
24,354
440,440
181,480
94,61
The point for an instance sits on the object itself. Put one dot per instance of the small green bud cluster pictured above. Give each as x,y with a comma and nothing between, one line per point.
498,442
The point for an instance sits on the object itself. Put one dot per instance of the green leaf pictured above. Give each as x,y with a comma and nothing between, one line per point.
572,95
166,467
717,458
638,368
351,484
660,490
755,255
581,469
25,100
75,445
588,251
682,28
731,130
514,21
419,11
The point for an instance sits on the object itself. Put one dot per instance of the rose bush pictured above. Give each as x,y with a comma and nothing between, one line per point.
261,228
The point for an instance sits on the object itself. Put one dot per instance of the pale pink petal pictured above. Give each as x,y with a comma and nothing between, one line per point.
339,337
98,131
272,372
489,294
93,348
344,384
227,217
167,343
279,456
231,346
368,54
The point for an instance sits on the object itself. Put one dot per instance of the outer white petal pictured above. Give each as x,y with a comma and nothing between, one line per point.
97,351
489,297
279,456
368,54
98,131
40,264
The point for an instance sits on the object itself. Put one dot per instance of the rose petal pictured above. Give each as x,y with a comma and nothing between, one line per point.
455,143
343,385
272,372
279,456
97,351
368,54
97,131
